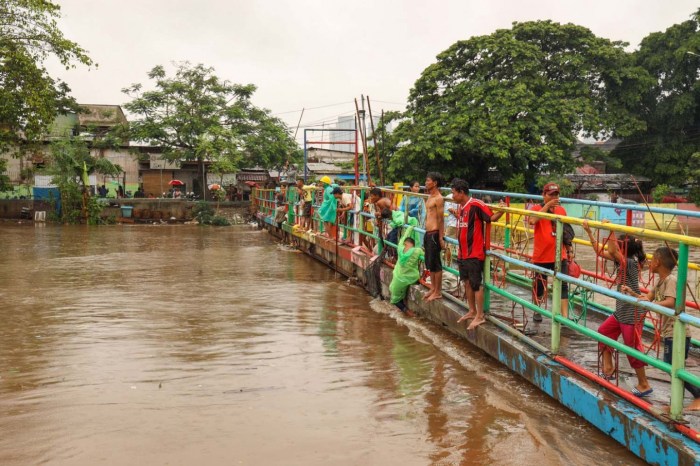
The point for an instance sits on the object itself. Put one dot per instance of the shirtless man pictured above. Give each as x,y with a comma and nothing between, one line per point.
434,241
376,202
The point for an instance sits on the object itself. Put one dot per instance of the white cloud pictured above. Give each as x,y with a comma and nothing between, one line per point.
310,53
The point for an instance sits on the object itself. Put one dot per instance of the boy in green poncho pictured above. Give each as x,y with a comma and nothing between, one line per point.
396,221
406,269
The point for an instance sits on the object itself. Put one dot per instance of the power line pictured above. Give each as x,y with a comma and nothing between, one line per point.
313,108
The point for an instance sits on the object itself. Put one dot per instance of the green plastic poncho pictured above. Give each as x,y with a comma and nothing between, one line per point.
406,269
397,221
329,205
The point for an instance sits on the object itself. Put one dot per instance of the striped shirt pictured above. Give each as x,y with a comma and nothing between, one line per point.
628,274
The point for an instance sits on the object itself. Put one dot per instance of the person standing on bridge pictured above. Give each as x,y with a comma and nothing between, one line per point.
545,246
327,211
628,256
664,294
434,241
472,216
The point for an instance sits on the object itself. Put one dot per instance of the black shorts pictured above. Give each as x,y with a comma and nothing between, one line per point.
307,209
471,270
541,279
431,244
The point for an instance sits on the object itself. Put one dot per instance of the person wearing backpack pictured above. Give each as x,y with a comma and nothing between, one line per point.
545,245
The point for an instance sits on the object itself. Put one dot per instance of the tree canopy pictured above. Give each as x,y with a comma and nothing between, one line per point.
516,100
30,98
196,116
663,148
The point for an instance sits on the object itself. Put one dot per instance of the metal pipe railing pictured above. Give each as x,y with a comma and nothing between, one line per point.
681,319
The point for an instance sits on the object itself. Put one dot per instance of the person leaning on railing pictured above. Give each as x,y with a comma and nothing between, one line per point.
628,257
664,294
545,246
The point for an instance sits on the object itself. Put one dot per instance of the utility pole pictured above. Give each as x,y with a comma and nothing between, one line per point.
365,166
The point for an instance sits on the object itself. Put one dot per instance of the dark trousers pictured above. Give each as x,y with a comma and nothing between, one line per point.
668,348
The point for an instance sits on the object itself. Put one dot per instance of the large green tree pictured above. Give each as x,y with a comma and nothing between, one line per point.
69,165
30,98
663,150
196,116
516,100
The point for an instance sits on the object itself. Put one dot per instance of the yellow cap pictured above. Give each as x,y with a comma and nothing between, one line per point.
326,179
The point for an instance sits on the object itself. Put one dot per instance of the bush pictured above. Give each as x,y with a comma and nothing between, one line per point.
220,221
658,193
203,213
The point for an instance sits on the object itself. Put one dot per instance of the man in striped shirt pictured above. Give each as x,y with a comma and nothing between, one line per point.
472,217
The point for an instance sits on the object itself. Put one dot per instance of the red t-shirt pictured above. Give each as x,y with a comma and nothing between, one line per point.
545,242
471,220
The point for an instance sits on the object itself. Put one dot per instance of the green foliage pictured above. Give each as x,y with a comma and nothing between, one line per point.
220,221
94,209
662,149
29,98
196,116
694,192
593,154
516,184
68,165
659,191
203,212
4,179
515,100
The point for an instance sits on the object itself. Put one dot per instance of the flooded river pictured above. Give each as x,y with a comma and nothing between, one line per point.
186,345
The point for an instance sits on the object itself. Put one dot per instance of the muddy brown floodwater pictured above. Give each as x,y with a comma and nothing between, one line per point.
185,345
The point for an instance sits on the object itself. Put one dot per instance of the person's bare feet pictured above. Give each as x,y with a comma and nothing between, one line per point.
694,406
468,315
476,322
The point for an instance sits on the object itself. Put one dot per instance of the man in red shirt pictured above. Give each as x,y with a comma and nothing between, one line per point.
472,217
545,247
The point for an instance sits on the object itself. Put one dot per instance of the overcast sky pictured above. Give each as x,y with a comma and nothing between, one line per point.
309,53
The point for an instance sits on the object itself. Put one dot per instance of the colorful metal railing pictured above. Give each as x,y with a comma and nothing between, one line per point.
360,225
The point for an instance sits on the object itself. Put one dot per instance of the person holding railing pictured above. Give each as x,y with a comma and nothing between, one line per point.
628,257
472,216
545,246
414,204
304,204
327,211
664,294
375,204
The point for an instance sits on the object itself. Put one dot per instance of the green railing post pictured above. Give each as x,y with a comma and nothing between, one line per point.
361,218
291,202
506,239
679,332
556,291
487,281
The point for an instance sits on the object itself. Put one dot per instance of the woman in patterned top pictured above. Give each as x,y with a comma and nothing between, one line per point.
628,255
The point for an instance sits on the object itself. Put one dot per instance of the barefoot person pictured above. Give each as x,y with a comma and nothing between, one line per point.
434,234
472,216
